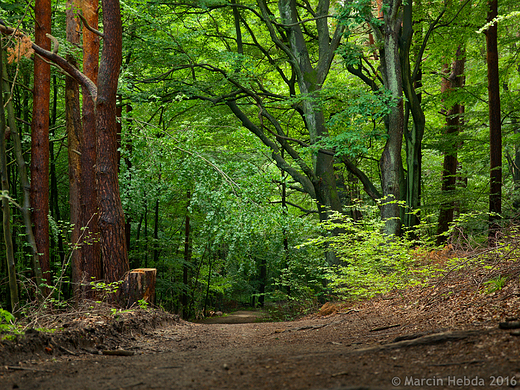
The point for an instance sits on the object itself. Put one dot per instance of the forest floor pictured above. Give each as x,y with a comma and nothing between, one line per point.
444,336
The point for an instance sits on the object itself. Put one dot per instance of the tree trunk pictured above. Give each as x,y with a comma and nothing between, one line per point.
453,128
390,163
414,136
262,271
310,81
74,135
111,219
24,181
156,233
139,285
187,260
8,239
495,129
40,139
91,264
57,253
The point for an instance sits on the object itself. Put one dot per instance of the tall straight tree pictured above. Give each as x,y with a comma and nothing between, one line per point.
111,218
74,133
387,38
92,266
40,137
495,127
452,82
111,221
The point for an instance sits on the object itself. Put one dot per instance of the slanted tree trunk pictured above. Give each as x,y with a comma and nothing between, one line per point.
40,138
8,239
495,128
111,218
91,263
74,134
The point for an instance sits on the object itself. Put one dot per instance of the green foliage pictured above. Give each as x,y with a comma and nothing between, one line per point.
8,328
350,135
103,289
370,262
354,13
496,284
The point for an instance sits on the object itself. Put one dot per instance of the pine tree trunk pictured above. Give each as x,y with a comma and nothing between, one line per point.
111,219
74,134
40,139
91,265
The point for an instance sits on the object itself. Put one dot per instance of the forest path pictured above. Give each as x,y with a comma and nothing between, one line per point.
400,341
237,317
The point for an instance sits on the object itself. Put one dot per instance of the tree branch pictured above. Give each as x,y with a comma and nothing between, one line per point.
295,205
369,187
89,28
303,21
276,155
61,62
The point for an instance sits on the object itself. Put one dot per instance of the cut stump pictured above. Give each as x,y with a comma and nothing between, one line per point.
138,285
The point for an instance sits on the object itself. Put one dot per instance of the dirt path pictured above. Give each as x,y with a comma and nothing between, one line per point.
237,317
394,342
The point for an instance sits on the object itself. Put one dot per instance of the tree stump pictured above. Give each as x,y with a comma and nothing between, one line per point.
139,284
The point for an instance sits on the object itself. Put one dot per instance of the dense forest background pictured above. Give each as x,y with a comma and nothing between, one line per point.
252,151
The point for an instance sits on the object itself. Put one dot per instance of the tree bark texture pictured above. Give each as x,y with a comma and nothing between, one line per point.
413,135
453,127
91,266
111,218
139,285
390,163
495,129
74,134
8,239
40,138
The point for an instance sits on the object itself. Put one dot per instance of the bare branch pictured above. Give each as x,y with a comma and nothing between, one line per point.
304,21
55,43
61,62
295,205
90,28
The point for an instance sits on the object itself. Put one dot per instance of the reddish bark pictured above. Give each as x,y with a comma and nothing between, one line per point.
111,219
40,138
91,266
74,132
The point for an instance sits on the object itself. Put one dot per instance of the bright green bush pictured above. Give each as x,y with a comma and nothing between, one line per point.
368,261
